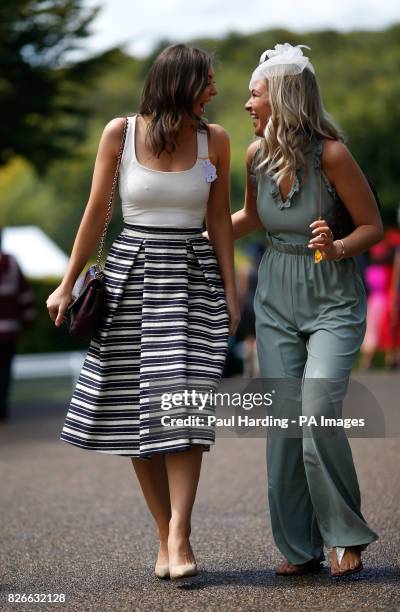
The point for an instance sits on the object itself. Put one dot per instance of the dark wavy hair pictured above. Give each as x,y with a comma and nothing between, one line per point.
177,77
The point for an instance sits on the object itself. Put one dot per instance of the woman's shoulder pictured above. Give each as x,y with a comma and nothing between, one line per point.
113,132
218,143
115,127
334,152
218,134
251,152
253,148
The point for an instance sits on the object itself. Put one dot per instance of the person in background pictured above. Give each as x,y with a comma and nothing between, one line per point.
377,278
390,335
247,325
17,310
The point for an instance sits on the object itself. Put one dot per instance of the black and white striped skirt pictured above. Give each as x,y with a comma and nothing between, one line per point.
165,329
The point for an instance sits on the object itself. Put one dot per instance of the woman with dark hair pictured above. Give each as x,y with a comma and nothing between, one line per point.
169,312
310,307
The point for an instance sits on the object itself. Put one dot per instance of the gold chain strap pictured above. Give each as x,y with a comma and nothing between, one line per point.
318,255
112,194
320,193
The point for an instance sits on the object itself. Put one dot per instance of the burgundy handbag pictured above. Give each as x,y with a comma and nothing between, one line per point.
86,311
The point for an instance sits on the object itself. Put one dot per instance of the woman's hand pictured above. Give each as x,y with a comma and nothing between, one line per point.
323,240
57,303
232,303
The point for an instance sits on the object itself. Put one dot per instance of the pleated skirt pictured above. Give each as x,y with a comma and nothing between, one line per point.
165,329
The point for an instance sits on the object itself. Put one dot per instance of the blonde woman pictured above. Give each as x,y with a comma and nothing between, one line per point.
310,305
171,298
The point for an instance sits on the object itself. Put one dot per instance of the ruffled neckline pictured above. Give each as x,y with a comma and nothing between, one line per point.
276,194
313,146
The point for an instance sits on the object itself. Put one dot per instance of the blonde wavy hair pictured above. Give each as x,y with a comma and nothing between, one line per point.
297,116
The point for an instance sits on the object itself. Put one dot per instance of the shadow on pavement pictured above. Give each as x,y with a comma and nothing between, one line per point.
267,578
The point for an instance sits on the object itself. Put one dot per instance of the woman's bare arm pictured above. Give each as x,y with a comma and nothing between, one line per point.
92,224
218,217
246,220
352,187
94,216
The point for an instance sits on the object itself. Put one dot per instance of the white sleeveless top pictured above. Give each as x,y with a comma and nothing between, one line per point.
165,199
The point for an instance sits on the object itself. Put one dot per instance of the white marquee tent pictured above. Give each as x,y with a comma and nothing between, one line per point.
37,255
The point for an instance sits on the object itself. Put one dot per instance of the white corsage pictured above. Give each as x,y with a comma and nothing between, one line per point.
283,60
209,170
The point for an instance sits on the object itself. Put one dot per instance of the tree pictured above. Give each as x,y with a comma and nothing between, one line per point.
43,118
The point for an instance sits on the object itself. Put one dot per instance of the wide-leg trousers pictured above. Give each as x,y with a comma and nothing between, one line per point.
310,322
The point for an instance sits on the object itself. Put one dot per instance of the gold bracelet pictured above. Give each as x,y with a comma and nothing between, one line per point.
342,254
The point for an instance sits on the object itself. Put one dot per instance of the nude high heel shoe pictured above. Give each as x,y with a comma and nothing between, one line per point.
161,570
185,570
178,571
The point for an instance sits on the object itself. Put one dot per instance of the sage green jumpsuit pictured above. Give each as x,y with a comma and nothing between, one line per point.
310,322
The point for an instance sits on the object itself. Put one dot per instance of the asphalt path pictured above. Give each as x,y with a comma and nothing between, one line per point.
74,523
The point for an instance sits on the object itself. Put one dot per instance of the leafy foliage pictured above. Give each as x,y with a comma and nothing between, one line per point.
41,97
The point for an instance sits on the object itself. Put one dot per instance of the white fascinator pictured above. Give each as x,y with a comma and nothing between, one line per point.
283,60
